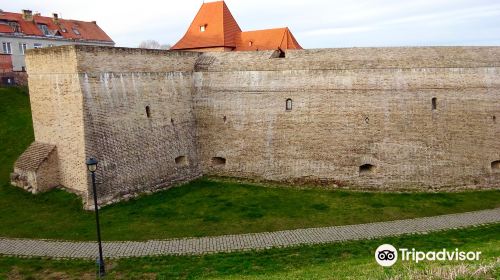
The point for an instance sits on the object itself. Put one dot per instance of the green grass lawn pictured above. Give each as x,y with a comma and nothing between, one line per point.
348,260
200,208
211,207
16,131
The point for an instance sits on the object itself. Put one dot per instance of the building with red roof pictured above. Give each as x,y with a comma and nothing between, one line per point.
22,31
215,29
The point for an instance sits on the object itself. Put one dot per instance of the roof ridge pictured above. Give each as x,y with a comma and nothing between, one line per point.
282,38
223,22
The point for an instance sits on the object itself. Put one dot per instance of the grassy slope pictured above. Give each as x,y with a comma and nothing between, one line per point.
203,207
16,132
349,260
206,207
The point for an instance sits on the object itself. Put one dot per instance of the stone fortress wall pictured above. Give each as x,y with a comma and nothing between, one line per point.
390,118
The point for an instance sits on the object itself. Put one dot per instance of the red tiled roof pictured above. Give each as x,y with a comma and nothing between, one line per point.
89,31
6,29
222,30
269,39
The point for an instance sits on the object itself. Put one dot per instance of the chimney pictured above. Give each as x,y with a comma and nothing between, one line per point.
55,17
28,15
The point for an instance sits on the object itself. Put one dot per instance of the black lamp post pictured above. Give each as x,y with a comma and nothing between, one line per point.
92,167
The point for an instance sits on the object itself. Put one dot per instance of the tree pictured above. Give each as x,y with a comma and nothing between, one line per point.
152,44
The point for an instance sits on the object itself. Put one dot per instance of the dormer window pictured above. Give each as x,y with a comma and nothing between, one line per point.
15,26
203,28
44,29
76,31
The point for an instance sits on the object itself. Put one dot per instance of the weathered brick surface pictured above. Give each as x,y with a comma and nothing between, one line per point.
137,153
56,106
351,107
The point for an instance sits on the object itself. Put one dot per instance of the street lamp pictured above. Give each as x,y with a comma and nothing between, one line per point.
92,167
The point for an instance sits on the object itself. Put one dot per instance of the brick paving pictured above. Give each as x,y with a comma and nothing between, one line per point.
240,242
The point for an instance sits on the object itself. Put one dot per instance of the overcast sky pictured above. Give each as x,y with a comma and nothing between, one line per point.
315,23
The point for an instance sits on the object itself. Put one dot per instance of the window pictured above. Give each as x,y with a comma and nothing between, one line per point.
218,161
182,161
22,47
434,103
15,26
51,45
6,48
76,31
37,45
203,28
366,169
44,29
495,166
148,112
289,104
250,43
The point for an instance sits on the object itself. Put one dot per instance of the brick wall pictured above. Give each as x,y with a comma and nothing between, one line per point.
353,107
5,63
361,117
139,118
56,105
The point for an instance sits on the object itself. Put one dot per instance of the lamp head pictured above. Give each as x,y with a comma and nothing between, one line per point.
92,164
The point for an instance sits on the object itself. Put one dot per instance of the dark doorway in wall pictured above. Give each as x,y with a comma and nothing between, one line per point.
279,53
182,161
7,81
495,166
148,112
218,161
434,103
366,169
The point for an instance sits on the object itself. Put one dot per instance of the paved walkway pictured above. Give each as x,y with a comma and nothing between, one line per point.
231,243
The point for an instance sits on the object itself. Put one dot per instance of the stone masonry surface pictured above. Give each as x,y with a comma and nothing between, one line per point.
242,242
384,118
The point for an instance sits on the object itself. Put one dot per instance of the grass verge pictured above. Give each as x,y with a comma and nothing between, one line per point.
347,260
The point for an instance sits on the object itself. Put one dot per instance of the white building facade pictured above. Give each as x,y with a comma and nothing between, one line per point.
19,32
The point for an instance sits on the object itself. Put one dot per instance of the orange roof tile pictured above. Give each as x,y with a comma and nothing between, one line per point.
6,29
269,39
220,28
89,31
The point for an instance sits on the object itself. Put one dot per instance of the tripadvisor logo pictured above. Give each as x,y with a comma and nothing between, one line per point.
387,255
